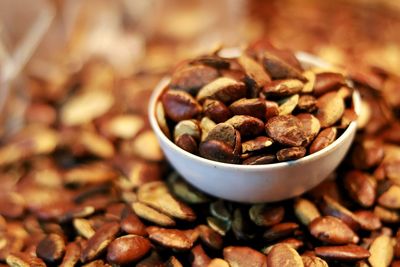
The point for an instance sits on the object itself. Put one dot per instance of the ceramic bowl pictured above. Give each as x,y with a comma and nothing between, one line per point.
256,183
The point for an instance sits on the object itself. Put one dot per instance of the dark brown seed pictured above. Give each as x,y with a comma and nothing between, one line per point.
223,132
170,238
280,230
241,225
281,88
72,255
219,210
127,249
328,81
212,61
200,258
307,103
279,69
255,73
272,109
381,251
51,248
218,151
311,126
179,105
187,143
219,225
264,215
244,257
323,139
286,130
131,224
349,116
99,241
216,110
332,231
313,261
209,237
282,255
368,220
361,187
330,109
192,78
306,211
291,153
11,205
367,154
258,143
257,160
342,253
185,191
153,260
390,198
20,259
246,125
333,208
254,107
223,89
157,195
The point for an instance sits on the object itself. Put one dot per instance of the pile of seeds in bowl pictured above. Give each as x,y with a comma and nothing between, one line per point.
257,108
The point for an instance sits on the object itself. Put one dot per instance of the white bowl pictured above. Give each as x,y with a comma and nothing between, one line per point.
256,183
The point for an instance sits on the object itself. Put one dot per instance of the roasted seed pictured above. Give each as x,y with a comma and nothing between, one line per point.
323,139
288,104
283,255
283,88
332,230
223,89
342,253
286,130
127,249
187,143
152,215
307,103
328,81
361,187
257,160
170,238
306,211
255,73
311,126
223,132
192,78
313,261
216,110
217,151
179,105
390,198
330,109
244,256
258,143
280,230
252,107
291,153
381,251
247,126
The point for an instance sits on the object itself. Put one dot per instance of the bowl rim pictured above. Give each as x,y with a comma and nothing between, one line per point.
304,58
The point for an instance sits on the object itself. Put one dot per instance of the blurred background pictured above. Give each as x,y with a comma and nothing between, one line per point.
45,46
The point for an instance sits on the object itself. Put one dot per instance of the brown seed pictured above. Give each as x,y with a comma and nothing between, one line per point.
278,68
12,205
173,262
305,211
282,255
291,153
254,107
328,81
381,251
190,127
330,109
152,215
218,263
187,143
367,154
20,259
264,215
96,263
192,78
309,85
361,187
288,104
185,191
349,116
212,61
342,253
161,119
313,261
368,220
307,103
272,109
217,151
223,132
223,89
246,125
390,198
127,249
323,139
333,208
179,105
216,110
99,241
255,73
280,230
200,258
72,255
157,195
209,237
153,259
241,225
283,88
206,126
170,238
332,230
244,256
51,248
311,126
131,224
258,143
257,160
286,130
386,216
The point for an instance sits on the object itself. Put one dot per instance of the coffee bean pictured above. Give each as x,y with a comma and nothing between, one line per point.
283,87
244,256
246,125
179,105
192,78
291,153
216,110
328,81
330,109
312,261
323,139
381,251
342,253
286,130
305,211
252,107
170,238
225,90
264,215
187,143
361,187
283,255
332,230
127,249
